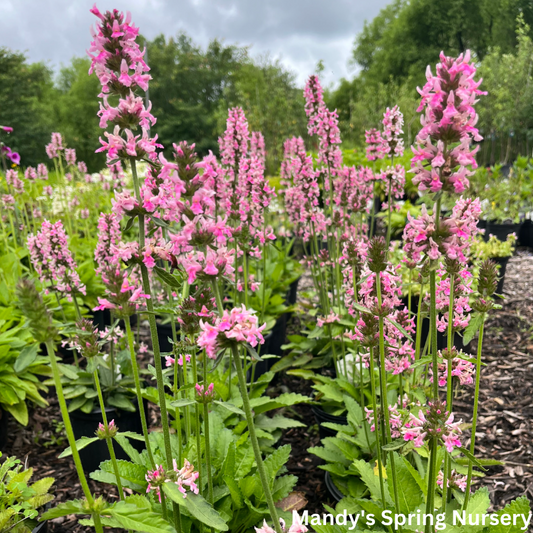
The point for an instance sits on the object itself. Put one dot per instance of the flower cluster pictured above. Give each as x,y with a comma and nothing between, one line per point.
392,132
374,144
451,238
237,325
119,64
435,422
53,261
448,126
184,478
463,370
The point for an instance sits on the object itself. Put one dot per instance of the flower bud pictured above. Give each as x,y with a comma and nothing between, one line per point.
34,309
377,254
106,433
488,278
205,396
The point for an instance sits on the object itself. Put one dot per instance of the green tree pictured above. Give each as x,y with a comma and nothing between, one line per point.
26,96
187,87
272,103
76,110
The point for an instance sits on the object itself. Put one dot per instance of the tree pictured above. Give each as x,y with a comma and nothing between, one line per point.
26,96
187,87
76,109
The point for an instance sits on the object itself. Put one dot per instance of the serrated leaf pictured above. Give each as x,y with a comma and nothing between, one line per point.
520,506
410,495
132,475
230,407
197,506
134,518
64,509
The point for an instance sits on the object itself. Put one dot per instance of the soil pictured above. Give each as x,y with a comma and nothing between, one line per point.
505,430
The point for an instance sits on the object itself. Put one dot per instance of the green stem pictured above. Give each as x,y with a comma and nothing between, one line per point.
449,396
432,480
208,450
108,440
476,405
376,426
135,369
70,433
153,325
384,395
253,438
433,328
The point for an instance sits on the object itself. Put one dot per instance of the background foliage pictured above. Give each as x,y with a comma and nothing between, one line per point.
194,86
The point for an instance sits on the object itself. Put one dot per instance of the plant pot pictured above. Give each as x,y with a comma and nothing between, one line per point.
482,224
4,422
525,237
332,488
292,294
502,262
501,231
85,425
41,527
322,417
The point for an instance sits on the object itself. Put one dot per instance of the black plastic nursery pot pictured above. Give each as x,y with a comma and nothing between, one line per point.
4,421
85,425
501,231
502,262
322,417
41,527
525,237
482,224
332,488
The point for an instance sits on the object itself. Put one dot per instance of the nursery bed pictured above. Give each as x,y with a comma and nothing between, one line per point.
505,425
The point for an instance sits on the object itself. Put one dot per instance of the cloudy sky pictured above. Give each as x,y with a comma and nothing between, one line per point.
299,32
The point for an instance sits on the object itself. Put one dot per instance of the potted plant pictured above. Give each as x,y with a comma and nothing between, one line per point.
498,251
21,501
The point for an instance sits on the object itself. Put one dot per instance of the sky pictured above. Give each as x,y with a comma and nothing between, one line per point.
297,32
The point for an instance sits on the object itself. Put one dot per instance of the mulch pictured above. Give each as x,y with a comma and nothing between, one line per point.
505,429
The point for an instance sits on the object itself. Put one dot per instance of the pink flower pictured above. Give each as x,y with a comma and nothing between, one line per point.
448,126
53,261
237,325
392,131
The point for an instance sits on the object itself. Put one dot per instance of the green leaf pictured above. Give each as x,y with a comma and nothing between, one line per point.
64,509
67,371
230,407
19,411
134,518
197,506
234,491
121,401
80,444
371,480
402,330
473,327
410,495
394,445
263,404
184,402
277,422
470,456
26,357
520,506
132,475
167,278
275,461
